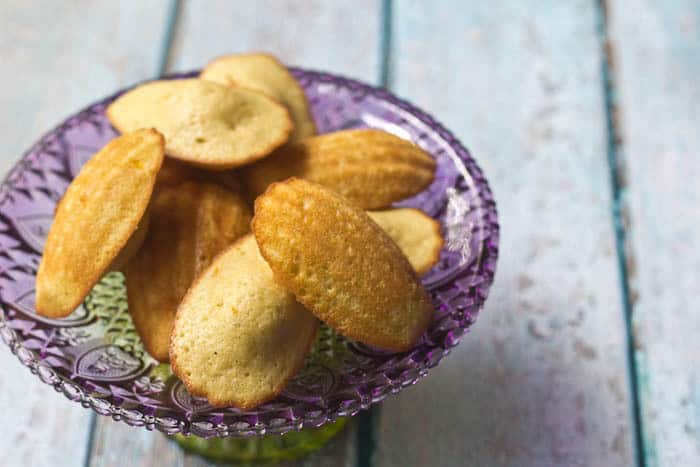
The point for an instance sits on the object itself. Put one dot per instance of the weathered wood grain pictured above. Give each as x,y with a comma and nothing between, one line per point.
56,59
342,37
658,63
542,378
325,35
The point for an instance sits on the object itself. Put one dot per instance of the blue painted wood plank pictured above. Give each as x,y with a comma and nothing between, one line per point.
656,66
542,379
56,60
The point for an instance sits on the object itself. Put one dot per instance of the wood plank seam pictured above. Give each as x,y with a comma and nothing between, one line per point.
365,442
621,221
174,10
87,458
385,45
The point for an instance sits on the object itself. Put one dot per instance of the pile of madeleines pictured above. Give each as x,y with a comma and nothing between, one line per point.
238,230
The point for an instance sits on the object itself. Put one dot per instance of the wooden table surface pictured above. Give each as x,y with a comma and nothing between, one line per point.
584,115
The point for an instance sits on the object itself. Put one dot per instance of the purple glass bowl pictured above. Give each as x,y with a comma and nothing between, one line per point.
94,356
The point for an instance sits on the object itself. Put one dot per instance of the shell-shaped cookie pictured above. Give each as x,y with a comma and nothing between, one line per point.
190,224
239,336
97,216
204,123
417,235
341,265
371,168
265,73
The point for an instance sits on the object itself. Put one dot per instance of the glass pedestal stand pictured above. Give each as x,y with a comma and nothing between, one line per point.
266,449
95,357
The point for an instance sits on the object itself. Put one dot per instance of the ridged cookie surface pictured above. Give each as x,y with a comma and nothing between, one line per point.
266,74
190,224
239,336
417,235
97,216
341,265
204,123
372,168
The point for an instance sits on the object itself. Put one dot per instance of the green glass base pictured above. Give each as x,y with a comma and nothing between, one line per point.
264,449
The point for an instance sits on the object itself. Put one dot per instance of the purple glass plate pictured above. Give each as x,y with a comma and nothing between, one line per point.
94,356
